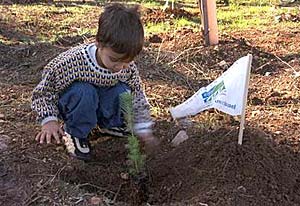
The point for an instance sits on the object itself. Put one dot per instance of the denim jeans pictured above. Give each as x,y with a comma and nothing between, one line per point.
82,106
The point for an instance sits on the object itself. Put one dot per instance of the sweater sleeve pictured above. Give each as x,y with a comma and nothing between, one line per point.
141,107
44,96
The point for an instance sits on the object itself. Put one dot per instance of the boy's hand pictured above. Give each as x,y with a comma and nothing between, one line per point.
150,142
50,130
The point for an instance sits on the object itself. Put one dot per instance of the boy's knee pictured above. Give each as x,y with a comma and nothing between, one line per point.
79,91
84,89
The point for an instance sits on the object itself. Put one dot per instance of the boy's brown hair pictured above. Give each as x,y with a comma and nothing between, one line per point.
121,29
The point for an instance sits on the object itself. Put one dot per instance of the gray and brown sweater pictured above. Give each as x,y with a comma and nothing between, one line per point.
79,64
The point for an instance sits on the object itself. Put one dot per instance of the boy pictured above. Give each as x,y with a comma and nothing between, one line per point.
82,86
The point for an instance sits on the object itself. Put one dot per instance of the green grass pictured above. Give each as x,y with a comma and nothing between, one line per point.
255,2
47,23
237,17
150,4
162,27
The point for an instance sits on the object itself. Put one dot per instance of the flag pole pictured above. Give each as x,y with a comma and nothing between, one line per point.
240,139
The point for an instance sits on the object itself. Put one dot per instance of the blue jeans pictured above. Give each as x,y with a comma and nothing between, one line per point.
82,106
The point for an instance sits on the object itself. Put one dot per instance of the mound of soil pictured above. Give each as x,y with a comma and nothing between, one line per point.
217,171
212,169
159,15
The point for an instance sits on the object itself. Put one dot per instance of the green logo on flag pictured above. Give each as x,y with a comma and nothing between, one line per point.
213,92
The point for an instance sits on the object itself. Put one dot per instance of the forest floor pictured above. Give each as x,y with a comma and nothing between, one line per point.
210,168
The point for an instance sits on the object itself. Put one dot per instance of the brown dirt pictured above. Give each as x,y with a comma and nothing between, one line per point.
210,168
158,15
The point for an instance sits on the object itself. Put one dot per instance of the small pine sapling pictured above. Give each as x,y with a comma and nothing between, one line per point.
136,158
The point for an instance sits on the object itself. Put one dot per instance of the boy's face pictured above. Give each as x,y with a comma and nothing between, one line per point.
111,60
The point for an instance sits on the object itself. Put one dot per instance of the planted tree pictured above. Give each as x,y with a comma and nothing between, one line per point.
135,156
137,159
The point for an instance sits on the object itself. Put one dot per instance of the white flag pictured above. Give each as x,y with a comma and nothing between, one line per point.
225,93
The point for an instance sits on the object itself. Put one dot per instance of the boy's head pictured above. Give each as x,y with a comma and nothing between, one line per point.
120,36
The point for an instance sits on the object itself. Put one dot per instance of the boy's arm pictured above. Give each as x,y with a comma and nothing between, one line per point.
45,97
142,119
141,108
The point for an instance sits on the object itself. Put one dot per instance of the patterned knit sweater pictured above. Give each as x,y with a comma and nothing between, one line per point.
78,64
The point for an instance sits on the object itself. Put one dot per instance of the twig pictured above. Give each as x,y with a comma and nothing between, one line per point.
228,133
295,72
44,175
184,51
262,66
78,201
226,163
243,195
35,199
5,105
159,50
187,82
39,160
150,176
178,187
20,67
178,173
198,170
95,186
116,195
195,65
164,75
29,200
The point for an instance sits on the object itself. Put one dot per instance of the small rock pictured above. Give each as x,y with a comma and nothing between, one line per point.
180,137
96,200
59,148
222,63
277,19
3,142
278,132
1,116
297,74
207,143
184,123
242,189
267,74
255,113
124,176
257,101
3,146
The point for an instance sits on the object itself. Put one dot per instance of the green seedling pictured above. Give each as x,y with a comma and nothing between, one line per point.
136,158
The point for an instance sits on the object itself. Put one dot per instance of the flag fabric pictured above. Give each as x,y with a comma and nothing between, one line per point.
226,93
